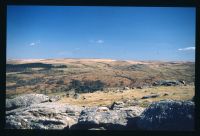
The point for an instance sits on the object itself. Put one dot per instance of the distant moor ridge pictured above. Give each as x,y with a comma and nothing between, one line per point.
88,75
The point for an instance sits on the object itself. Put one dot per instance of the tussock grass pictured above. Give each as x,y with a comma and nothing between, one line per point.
106,99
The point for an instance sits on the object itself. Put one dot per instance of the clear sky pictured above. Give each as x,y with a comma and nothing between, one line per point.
124,33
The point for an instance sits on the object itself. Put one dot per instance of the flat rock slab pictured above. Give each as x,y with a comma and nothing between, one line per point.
150,96
47,115
107,119
25,100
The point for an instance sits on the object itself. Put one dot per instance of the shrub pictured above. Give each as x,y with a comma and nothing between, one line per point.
60,82
86,86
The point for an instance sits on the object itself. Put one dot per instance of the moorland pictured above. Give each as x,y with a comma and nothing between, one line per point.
92,78
99,94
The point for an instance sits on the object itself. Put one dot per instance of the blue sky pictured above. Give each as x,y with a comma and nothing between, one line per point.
124,33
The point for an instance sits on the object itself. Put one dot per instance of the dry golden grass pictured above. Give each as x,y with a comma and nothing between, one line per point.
112,73
105,99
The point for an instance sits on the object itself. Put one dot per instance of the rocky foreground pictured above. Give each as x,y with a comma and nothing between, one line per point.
38,111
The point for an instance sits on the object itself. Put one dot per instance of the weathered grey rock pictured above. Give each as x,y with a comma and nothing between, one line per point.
54,98
117,105
49,115
102,109
182,81
168,115
126,88
100,128
132,111
150,96
163,115
139,87
119,90
166,83
132,103
25,100
102,117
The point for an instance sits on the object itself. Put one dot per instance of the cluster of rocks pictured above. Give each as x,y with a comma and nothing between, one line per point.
148,85
39,113
169,83
25,100
150,96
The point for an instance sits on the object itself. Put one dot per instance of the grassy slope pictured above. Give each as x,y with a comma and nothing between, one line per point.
105,99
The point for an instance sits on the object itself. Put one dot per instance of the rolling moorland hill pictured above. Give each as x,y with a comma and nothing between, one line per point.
99,94
61,75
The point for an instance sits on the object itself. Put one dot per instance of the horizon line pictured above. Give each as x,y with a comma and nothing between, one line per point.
103,58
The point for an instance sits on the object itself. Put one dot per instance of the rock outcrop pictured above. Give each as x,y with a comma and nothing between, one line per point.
150,96
168,115
167,83
54,98
47,115
25,100
163,115
96,118
117,105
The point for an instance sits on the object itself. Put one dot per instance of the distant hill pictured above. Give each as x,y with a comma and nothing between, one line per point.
57,74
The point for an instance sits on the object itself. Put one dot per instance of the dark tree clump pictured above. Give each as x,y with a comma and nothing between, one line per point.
86,86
